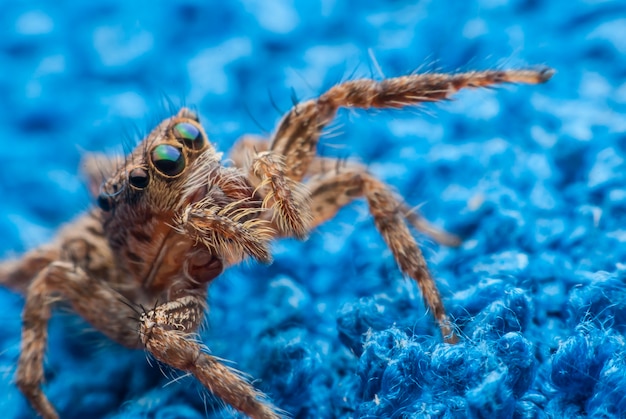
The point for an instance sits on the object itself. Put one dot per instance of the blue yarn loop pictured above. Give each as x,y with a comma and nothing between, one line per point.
401,375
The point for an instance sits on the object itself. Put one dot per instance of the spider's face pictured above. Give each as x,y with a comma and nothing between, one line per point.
165,171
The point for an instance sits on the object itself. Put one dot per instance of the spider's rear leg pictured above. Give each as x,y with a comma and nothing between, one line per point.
421,224
166,333
333,191
331,188
17,274
90,298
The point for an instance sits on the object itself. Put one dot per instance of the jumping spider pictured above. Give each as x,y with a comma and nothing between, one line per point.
170,217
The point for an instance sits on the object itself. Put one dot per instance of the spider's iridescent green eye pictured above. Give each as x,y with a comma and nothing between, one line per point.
189,134
168,160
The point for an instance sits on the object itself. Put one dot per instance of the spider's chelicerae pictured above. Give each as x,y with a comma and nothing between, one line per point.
171,217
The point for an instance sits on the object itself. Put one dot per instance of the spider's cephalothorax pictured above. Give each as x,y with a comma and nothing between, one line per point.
170,217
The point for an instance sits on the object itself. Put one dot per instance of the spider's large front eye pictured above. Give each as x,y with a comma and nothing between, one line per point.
168,160
138,177
189,134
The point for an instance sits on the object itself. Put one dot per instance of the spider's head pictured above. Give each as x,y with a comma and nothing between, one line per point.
165,171
170,169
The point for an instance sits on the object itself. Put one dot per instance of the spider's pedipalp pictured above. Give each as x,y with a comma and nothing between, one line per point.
287,197
222,231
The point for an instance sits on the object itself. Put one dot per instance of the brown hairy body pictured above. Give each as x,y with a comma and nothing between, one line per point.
171,216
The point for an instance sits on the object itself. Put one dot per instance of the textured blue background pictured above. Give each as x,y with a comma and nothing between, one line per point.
533,177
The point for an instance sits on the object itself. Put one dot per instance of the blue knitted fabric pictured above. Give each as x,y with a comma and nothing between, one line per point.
532,177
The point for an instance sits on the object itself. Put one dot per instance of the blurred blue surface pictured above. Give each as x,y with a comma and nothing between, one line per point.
533,177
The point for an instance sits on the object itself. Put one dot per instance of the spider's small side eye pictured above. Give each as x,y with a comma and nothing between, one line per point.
168,160
105,202
189,134
138,178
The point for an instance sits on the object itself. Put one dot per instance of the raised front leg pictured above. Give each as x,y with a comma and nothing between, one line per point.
167,334
299,131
